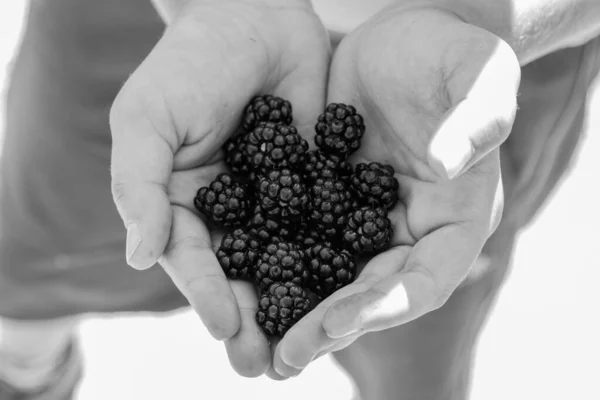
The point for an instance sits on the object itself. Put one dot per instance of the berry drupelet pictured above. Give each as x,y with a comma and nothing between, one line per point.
235,157
368,231
317,164
330,202
330,269
225,202
274,146
339,129
281,305
238,254
282,195
375,185
281,262
266,108
267,228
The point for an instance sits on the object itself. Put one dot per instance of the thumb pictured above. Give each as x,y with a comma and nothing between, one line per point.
141,165
184,93
483,93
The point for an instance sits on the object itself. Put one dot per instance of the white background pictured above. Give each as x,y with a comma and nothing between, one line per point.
541,342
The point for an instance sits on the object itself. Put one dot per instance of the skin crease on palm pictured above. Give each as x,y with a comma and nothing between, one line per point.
405,95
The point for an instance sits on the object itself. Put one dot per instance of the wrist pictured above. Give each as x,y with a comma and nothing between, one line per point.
533,28
170,9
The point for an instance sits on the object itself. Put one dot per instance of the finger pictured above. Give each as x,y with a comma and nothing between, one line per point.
484,98
140,167
184,185
248,351
307,338
167,107
272,372
305,87
193,267
436,266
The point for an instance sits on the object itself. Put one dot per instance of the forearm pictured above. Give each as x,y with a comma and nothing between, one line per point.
533,28
168,9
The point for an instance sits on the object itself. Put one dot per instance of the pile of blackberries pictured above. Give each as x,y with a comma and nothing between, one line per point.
299,218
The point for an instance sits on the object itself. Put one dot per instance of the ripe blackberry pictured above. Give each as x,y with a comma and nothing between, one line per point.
375,185
282,195
369,231
317,164
225,202
238,254
330,203
339,129
281,305
330,269
281,262
274,146
266,108
235,157
267,228
307,236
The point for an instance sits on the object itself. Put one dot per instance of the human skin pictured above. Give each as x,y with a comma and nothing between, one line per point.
433,173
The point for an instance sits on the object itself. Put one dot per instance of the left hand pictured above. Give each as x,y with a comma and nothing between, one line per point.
438,96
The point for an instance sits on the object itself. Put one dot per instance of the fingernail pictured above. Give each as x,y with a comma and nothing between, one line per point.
134,239
449,155
340,332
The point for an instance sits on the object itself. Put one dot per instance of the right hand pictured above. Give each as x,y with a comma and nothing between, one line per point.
168,124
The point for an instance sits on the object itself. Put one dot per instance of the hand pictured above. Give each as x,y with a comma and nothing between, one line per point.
168,124
438,97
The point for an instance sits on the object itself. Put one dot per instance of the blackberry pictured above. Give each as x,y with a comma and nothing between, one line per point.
225,202
266,108
282,195
317,164
238,254
274,146
330,203
369,231
339,129
330,269
375,185
267,228
281,305
235,157
281,262
307,236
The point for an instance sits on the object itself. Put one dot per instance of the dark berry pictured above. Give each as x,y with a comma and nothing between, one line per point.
274,146
317,164
368,231
281,305
307,235
225,202
281,262
282,195
238,254
330,269
375,185
235,157
267,228
339,129
266,108
330,202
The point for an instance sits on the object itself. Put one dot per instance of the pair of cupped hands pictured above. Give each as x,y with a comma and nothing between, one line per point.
438,96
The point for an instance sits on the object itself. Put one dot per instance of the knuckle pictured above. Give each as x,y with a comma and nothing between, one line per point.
119,190
436,293
174,247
